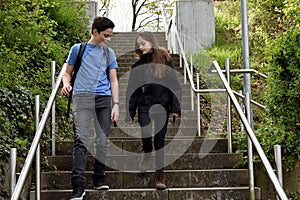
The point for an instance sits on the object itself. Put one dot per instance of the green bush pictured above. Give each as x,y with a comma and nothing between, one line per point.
16,119
33,33
282,123
283,97
283,92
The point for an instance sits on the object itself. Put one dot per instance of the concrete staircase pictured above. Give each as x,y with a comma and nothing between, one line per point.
198,168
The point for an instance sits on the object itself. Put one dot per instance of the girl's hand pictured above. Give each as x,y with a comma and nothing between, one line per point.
175,114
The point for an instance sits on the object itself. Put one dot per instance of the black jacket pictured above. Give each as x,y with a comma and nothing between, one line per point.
144,90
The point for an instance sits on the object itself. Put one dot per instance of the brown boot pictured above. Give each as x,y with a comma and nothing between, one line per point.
145,163
160,180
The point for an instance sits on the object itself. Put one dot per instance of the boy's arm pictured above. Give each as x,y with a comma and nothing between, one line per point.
66,79
115,94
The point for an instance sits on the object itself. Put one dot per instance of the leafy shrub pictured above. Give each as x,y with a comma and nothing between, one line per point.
33,33
283,93
283,97
16,118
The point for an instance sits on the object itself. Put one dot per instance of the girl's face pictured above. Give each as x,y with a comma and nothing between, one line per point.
144,45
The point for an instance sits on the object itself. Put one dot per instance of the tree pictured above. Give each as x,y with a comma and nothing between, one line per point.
147,13
104,9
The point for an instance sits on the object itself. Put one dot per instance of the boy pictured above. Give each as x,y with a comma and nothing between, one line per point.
95,98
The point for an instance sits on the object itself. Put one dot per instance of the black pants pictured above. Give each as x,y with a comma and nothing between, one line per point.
160,122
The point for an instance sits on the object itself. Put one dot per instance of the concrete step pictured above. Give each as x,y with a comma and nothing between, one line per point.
123,82
185,114
129,43
133,146
217,193
133,35
185,98
183,121
178,123
126,66
134,179
184,92
130,39
129,59
186,161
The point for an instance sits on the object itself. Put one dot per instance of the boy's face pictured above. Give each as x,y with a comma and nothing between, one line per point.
104,36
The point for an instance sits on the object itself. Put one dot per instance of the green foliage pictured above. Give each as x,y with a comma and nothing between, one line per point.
284,80
274,47
283,92
228,24
33,33
16,119
270,135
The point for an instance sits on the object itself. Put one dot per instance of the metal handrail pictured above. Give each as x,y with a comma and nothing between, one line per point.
240,71
278,187
36,140
252,136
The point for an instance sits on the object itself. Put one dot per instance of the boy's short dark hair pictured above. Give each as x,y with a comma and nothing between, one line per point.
102,23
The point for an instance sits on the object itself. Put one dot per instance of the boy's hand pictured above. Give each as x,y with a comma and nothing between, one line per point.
66,89
114,113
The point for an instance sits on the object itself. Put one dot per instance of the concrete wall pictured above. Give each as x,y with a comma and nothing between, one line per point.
91,11
291,180
196,23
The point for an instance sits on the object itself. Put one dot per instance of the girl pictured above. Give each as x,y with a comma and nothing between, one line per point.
154,91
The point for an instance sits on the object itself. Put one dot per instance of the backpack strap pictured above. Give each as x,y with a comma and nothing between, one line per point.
76,69
106,54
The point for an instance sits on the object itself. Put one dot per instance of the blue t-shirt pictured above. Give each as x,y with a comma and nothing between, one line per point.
92,76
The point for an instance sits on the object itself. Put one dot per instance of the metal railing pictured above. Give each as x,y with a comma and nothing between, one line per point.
36,141
170,27
251,135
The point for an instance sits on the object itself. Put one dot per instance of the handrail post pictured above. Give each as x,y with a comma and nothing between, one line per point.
13,166
198,106
192,92
53,109
278,161
229,127
184,73
250,150
180,62
242,106
38,152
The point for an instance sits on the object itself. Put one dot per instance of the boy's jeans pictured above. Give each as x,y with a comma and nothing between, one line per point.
90,113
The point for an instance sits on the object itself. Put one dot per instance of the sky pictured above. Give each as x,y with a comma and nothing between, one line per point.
121,14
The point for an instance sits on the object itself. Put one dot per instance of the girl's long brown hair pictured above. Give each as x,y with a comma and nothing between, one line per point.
160,56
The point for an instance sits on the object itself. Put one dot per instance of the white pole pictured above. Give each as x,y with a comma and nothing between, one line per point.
198,106
13,164
53,109
38,152
278,161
